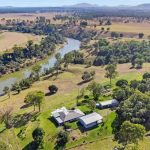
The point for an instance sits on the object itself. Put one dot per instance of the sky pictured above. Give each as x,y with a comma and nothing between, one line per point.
36,3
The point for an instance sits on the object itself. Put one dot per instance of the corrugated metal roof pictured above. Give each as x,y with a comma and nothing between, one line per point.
109,102
73,114
59,120
64,115
94,117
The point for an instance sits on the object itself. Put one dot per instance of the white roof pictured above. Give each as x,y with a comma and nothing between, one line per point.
109,102
63,115
63,109
94,117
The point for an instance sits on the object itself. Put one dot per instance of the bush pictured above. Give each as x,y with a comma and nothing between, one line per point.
62,138
122,83
38,135
146,75
53,89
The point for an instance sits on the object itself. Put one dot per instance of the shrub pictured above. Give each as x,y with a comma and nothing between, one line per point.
53,89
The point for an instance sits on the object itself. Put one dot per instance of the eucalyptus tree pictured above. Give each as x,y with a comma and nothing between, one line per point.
111,72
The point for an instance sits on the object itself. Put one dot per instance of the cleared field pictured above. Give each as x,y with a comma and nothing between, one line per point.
29,16
9,39
129,27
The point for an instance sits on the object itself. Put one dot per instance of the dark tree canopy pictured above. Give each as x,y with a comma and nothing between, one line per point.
135,109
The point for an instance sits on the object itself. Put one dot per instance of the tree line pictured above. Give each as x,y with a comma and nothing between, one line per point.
23,56
122,52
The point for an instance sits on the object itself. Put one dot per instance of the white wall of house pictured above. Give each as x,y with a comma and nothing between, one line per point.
87,126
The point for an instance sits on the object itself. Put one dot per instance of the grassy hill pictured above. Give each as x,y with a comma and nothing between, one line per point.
27,120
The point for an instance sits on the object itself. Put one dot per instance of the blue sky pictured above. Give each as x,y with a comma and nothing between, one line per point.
32,3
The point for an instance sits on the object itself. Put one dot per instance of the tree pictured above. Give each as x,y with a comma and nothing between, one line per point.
134,84
38,136
108,29
58,57
130,133
102,28
121,35
6,90
122,94
92,105
139,63
57,65
135,109
102,42
35,98
25,83
96,89
114,35
62,139
6,116
86,76
36,69
142,88
16,87
68,59
122,83
53,89
83,24
111,72
141,35
146,75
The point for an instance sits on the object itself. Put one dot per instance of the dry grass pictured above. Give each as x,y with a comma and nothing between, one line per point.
129,28
66,96
9,39
67,82
30,16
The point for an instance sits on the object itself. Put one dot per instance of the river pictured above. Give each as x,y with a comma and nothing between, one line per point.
71,45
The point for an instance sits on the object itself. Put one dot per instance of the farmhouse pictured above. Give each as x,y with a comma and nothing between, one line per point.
107,104
91,120
63,115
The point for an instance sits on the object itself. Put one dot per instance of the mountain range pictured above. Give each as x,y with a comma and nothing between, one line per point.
88,5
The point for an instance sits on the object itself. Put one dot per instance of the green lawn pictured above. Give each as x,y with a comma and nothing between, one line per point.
66,96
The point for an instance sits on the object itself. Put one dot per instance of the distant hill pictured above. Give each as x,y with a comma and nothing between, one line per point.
83,5
144,6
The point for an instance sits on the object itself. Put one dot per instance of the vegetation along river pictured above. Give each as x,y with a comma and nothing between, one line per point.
10,79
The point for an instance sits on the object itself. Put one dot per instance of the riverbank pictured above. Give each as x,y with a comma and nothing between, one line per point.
48,62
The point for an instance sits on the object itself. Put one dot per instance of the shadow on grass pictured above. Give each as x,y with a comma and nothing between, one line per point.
50,94
116,124
83,82
58,147
23,119
25,106
52,75
53,121
30,146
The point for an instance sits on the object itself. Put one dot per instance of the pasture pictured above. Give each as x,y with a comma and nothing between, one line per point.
66,96
9,39
131,27
29,17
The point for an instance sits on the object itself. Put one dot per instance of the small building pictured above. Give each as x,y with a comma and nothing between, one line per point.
91,120
107,104
63,115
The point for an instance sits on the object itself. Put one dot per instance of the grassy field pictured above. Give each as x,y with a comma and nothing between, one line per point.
66,96
29,16
9,39
128,28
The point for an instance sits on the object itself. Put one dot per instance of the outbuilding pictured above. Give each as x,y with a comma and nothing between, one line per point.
107,104
91,120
